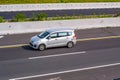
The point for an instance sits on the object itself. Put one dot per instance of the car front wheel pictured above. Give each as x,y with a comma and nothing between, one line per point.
42,47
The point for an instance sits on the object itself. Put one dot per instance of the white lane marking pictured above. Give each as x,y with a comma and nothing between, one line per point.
68,71
1,36
65,54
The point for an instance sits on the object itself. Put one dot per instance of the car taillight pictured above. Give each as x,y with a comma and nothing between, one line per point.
74,37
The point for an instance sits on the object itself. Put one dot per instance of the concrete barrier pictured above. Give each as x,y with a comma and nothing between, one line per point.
37,26
57,6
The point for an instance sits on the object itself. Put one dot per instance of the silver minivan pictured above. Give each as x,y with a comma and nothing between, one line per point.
54,38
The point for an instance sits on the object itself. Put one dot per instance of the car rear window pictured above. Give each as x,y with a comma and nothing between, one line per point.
69,33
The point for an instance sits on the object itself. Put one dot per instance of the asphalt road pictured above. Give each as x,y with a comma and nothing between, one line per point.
19,62
54,13
29,67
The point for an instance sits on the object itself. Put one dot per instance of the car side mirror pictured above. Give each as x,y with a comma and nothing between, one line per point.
48,37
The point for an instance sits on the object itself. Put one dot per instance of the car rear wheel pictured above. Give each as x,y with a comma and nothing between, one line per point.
70,44
42,47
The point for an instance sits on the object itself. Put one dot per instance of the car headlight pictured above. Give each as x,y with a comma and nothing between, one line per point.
36,43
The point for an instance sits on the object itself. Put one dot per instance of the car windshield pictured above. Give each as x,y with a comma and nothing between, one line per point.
43,34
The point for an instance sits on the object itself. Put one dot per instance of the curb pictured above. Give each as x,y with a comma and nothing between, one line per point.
37,26
57,6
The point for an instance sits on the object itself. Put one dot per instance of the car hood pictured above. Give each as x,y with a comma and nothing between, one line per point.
35,39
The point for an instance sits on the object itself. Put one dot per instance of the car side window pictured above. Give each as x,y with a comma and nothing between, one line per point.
62,34
69,33
54,35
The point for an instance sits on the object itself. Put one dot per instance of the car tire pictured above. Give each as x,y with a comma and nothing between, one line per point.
42,47
70,44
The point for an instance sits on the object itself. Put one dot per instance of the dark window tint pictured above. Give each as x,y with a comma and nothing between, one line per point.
54,35
43,34
69,33
62,34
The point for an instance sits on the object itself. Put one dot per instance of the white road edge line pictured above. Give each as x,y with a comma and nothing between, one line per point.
65,54
68,71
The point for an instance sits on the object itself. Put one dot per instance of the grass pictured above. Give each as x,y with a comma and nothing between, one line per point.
51,1
64,18
44,17
82,17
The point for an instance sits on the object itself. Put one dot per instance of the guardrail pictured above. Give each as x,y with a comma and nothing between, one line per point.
37,26
57,6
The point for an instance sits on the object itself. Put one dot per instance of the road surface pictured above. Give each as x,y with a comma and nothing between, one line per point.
95,57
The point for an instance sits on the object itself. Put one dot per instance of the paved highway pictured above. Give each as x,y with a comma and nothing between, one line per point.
91,56
53,13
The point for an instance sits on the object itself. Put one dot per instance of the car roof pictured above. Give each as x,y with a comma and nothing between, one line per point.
59,29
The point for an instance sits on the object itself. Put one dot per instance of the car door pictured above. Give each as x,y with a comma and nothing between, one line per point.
62,38
52,40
